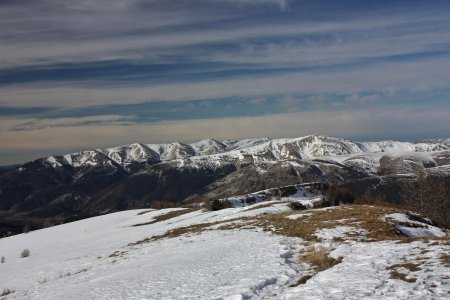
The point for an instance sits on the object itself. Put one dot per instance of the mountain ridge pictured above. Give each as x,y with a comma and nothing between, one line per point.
140,175
307,147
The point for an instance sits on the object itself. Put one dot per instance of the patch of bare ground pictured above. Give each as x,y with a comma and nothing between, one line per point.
167,216
144,212
370,218
192,229
396,274
432,240
301,280
244,223
408,265
68,273
117,254
319,258
445,259
237,223
365,217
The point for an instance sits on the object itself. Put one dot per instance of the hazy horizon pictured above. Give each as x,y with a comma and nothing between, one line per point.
33,155
93,74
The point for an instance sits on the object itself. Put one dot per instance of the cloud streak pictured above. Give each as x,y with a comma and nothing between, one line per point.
104,67
373,125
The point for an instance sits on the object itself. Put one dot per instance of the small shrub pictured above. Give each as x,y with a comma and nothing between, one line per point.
324,202
47,223
26,229
2,260
6,292
218,205
339,195
296,206
43,280
25,253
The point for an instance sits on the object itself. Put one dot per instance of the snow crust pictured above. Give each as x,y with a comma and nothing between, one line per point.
92,259
364,274
213,264
416,229
336,232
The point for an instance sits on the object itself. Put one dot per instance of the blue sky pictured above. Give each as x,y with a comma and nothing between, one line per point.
85,74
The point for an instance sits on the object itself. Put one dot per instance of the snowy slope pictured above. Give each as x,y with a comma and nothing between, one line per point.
213,264
106,257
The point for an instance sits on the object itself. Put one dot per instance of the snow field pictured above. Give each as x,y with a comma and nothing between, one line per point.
92,259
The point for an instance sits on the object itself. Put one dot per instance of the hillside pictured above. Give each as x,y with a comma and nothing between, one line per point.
262,251
63,188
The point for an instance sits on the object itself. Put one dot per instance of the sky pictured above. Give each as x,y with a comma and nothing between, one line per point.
86,74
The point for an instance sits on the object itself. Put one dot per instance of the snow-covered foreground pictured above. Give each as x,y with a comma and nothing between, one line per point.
107,258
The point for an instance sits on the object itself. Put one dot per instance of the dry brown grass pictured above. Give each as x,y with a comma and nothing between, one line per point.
366,217
445,259
144,212
409,265
193,229
68,273
294,205
237,223
243,223
319,258
167,216
117,254
395,274
369,218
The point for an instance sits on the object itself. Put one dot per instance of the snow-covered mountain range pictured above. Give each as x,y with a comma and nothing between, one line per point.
139,175
262,150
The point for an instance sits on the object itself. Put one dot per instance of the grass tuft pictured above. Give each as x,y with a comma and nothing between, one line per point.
319,258
302,280
25,253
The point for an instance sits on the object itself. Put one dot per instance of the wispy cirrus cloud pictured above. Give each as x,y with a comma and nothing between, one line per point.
100,64
39,124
